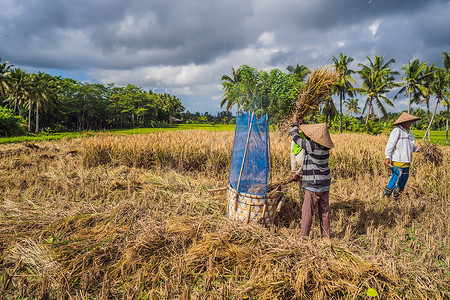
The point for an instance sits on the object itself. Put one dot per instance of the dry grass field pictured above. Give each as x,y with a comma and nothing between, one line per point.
130,217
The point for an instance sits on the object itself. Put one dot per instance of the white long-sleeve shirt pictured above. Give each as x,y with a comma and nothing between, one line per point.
400,146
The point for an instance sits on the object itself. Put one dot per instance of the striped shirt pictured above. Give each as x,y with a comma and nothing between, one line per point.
315,170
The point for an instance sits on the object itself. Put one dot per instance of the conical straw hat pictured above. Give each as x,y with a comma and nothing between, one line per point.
405,117
318,133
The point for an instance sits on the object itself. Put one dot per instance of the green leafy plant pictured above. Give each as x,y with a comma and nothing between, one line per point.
10,125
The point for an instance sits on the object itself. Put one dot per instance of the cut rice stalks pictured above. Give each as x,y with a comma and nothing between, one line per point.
277,186
317,89
431,154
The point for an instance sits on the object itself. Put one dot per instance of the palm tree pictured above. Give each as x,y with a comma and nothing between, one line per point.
412,81
248,89
352,106
344,85
439,89
446,102
300,70
43,93
172,104
5,79
329,110
378,79
228,84
446,63
427,81
19,89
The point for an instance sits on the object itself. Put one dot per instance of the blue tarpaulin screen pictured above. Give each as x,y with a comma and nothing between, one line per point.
249,168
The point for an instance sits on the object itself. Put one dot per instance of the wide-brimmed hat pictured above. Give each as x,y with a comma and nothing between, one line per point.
405,117
318,133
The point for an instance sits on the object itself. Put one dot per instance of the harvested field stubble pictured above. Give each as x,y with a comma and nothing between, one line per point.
131,217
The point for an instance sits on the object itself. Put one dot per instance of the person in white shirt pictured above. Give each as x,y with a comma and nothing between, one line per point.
398,152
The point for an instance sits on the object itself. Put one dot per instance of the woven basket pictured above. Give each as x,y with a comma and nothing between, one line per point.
252,208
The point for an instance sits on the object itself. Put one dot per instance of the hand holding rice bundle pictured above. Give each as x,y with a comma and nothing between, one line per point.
317,89
315,144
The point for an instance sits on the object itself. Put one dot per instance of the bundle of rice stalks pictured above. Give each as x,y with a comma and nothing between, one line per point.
317,89
274,186
267,266
431,153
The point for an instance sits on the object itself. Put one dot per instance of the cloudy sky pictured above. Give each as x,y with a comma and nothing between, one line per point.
183,47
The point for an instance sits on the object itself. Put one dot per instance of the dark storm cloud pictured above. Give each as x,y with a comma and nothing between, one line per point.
185,46
127,34
119,34
434,26
281,58
317,30
192,31
324,14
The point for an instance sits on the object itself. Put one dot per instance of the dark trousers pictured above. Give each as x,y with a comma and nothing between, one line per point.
311,201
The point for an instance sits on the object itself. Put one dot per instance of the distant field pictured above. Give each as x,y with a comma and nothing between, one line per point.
437,137
61,135
44,137
209,127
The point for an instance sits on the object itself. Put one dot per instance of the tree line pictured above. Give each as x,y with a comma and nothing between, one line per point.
64,104
42,101
276,92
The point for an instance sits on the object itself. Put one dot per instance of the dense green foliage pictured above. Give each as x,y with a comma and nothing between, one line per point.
276,93
263,92
10,125
54,104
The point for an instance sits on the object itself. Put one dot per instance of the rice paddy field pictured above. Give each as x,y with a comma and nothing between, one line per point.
133,217
437,136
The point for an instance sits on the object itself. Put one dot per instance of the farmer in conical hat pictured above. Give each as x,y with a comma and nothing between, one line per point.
399,150
316,176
